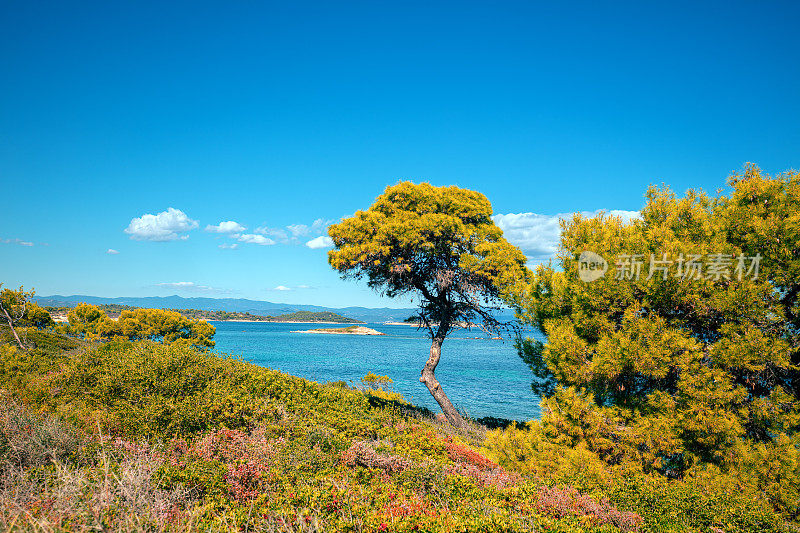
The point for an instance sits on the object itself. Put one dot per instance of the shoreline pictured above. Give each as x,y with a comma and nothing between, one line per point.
288,322
62,319
351,330
459,325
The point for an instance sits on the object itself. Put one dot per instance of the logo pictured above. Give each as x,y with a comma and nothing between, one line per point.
591,266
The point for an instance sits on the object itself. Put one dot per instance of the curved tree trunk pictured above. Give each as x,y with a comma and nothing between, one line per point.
11,325
429,379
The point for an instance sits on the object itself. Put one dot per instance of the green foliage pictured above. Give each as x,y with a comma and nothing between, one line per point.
251,448
115,310
16,306
14,302
433,241
377,386
440,245
703,500
36,317
376,382
166,326
313,316
160,325
670,377
85,318
197,314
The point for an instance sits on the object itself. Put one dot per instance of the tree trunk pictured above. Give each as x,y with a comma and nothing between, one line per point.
11,325
427,377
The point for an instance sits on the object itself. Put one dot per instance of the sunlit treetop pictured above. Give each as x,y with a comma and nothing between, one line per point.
438,243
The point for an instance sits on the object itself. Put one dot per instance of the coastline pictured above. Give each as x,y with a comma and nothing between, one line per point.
63,319
461,325
351,330
289,322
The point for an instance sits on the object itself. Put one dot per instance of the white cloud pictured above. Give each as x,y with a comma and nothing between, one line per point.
277,234
317,227
290,288
191,286
19,242
294,232
322,241
177,284
228,226
538,235
231,246
320,226
252,238
298,230
112,251
168,225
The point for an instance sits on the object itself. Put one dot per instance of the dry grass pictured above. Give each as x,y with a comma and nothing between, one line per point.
52,480
471,432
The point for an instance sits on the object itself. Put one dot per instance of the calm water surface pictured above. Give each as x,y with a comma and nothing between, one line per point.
482,377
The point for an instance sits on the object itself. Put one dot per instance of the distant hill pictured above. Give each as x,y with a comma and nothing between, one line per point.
232,305
114,310
297,316
314,316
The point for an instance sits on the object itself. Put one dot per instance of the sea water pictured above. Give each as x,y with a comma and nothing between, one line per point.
481,376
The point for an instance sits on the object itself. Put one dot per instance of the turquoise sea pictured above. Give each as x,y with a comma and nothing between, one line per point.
482,377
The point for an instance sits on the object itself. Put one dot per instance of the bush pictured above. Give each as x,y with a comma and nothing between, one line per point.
680,364
704,499
229,445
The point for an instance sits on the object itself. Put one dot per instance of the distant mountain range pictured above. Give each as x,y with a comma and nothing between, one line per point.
256,307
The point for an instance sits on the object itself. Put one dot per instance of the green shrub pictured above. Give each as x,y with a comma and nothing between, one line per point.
705,498
248,447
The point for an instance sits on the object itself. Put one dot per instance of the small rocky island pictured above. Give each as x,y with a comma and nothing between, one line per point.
351,330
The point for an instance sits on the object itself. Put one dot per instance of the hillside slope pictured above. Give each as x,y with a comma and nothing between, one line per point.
143,436
177,436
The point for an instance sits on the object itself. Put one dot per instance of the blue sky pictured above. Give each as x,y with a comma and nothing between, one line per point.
272,115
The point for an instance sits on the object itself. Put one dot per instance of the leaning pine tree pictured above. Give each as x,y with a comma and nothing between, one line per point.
439,245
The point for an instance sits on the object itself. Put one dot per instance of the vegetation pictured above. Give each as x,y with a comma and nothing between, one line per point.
440,245
115,310
111,310
670,402
314,316
90,322
197,314
297,316
149,436
17,310
355,330
674,391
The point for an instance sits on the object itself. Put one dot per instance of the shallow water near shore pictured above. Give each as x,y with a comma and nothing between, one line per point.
483,377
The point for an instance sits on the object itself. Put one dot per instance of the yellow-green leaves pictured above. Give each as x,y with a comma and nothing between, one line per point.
156,324
414,233
670,372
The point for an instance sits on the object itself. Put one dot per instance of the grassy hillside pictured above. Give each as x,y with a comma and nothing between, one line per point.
197,314
314,316
141,436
